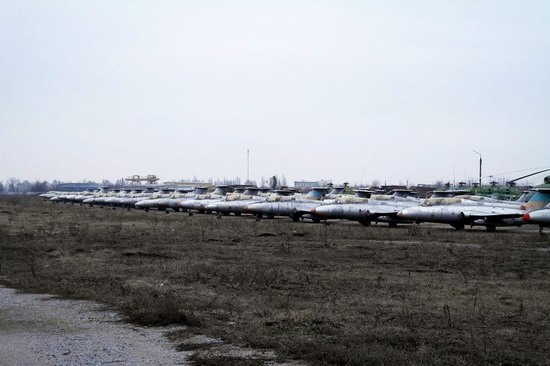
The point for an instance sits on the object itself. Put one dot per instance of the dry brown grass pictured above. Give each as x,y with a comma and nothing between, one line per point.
330,294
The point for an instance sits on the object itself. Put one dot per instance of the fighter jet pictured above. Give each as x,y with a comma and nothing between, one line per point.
460,212
73,197
152,201
336,192
79,198
200,202
236,203
170,202
360,196
538,207
293,206
130,201
65,197
539,217
103,192
457,212
110,195
377,208
174,203
112,199
236,195
116,197
50,194
490,201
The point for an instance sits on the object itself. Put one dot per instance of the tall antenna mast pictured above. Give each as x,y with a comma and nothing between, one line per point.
247,166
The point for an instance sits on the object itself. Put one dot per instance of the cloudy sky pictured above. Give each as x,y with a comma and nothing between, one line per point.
352,91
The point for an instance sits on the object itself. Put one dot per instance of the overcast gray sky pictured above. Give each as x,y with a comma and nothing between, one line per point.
345,90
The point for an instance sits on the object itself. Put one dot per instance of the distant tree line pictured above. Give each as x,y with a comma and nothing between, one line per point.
16,185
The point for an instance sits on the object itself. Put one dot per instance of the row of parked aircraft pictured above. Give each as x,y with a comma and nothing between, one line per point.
366,206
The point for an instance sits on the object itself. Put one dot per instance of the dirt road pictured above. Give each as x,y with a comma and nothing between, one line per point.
43,330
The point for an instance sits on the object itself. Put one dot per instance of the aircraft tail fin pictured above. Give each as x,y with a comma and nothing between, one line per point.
539,200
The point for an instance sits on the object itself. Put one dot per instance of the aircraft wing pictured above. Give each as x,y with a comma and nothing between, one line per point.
377,211
386,209
492,215
306,207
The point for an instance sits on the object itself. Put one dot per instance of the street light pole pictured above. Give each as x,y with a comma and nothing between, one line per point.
480,163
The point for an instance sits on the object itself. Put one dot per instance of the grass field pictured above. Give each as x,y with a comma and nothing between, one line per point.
338,294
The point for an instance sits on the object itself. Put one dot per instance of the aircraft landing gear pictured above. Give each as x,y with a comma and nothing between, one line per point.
365,222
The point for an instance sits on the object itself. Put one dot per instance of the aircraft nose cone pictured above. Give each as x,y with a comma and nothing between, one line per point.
526,217
320,211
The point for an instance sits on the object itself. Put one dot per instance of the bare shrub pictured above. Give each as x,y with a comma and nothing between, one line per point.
156,307
327,235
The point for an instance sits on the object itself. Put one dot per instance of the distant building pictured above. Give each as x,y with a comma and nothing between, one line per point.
311,184
424,190
75,187
388,188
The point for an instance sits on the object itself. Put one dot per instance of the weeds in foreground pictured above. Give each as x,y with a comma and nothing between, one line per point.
158,308
327,235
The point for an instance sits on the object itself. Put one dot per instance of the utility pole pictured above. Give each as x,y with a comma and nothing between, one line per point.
480,163
247,166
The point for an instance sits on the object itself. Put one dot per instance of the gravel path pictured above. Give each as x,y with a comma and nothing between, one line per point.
43,330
